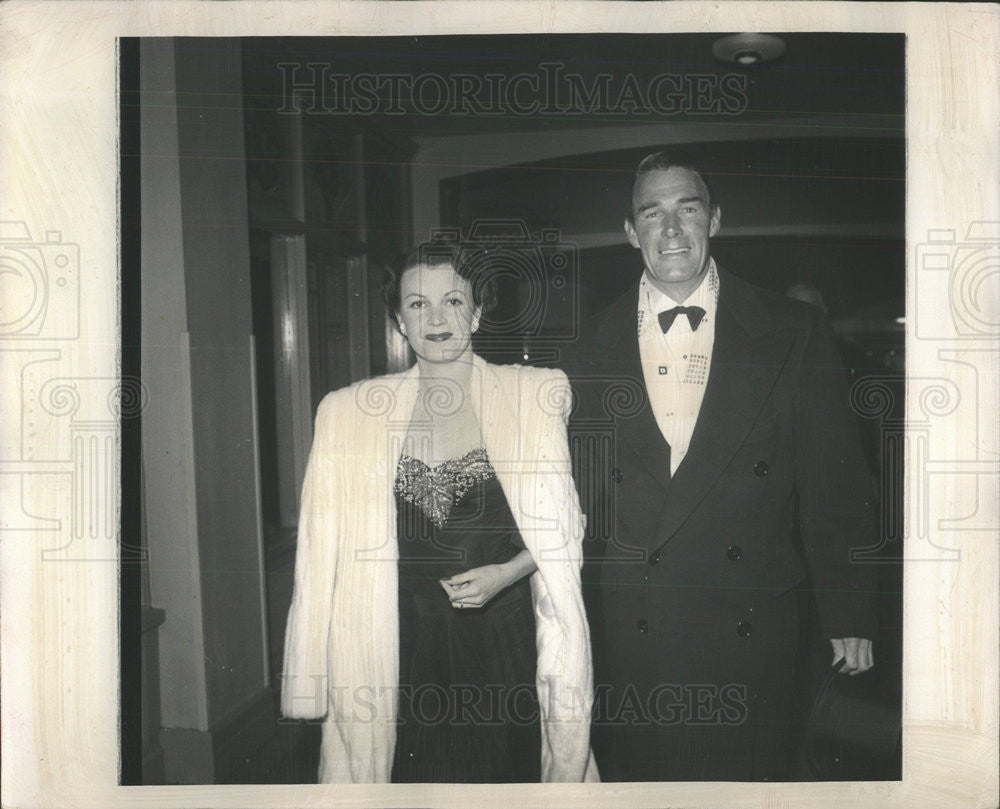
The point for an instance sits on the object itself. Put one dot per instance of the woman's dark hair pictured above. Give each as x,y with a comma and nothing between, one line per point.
468,260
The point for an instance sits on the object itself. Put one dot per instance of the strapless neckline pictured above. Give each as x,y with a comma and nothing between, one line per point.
436,489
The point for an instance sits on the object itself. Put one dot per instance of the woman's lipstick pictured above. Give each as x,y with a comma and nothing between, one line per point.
438,337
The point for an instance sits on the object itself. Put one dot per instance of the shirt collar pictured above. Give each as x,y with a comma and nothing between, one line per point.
652,300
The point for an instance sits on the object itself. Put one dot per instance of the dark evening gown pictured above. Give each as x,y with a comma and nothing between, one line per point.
468,708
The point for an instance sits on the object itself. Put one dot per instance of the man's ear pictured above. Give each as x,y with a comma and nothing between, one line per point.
716,222
630,232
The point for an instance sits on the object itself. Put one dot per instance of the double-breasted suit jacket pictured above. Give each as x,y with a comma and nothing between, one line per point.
693,580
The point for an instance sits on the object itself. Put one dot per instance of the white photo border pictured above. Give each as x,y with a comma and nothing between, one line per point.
59,164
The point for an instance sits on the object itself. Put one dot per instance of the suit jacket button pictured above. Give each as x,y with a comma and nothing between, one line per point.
734,553
760,468
743,629
654,558
642,625
616,475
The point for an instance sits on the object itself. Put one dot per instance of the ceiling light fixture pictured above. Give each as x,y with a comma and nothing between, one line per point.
748,49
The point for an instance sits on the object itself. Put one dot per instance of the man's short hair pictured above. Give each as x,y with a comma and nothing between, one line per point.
669,159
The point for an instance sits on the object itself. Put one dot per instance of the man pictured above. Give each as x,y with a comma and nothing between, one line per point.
721,469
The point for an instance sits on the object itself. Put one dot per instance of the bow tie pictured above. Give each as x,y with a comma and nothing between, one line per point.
694,314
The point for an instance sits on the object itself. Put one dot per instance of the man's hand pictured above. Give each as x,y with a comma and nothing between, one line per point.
857,654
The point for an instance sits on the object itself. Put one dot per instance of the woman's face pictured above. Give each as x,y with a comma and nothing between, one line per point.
437,314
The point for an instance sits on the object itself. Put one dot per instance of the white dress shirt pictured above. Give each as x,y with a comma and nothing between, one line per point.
675,365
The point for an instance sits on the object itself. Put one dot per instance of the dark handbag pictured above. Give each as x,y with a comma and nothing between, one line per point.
852,734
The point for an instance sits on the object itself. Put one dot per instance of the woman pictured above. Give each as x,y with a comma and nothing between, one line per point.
429,496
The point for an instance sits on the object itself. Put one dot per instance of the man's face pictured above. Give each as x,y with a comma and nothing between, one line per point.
671,225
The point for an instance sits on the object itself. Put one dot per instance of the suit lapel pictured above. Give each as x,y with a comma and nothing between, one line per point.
637,432
747,357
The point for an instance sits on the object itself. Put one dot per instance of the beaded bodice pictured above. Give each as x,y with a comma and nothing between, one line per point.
434,490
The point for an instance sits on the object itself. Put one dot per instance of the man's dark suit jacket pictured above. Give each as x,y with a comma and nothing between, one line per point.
694,581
